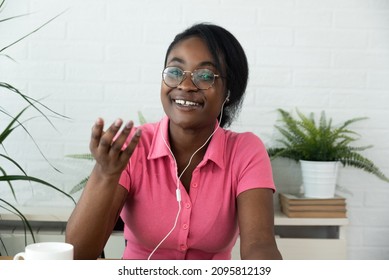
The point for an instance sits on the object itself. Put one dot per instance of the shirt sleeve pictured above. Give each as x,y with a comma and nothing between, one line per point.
253,164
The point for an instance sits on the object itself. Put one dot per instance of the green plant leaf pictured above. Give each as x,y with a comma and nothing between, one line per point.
13,17
7,56
87,156
10,128
9,183
26,223
32,102
358,161
141,118
32,32
34,179
79,186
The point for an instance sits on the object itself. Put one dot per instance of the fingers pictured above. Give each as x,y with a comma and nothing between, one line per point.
107,147
97,132
120,139
133,143
111,142
108,137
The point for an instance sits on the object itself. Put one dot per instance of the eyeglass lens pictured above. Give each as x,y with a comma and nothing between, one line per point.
202,78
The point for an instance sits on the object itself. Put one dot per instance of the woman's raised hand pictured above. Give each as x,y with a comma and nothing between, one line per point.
107,146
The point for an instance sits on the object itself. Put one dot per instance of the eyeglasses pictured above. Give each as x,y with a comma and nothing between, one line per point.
201,78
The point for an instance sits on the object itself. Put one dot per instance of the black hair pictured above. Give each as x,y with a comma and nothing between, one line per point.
223,46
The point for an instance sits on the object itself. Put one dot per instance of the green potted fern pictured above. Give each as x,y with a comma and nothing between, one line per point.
320,147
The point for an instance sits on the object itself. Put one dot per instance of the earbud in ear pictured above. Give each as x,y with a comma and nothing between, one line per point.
228,96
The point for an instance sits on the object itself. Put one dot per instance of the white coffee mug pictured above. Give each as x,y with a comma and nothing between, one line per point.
46,251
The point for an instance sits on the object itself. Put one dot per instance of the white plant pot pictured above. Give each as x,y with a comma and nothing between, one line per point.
319,178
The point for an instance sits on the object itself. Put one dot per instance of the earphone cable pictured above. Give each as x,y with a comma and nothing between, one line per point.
178,191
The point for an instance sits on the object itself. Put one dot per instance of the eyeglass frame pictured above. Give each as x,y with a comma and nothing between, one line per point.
191,75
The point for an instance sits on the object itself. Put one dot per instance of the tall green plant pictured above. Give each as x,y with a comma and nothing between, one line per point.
11,123
304,138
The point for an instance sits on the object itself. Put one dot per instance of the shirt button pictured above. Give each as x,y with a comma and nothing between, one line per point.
194,185
187,205
185,226
183,247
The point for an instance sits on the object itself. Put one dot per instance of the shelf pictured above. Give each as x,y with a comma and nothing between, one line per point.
280,219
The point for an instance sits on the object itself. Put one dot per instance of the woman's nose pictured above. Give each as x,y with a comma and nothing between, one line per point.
187,83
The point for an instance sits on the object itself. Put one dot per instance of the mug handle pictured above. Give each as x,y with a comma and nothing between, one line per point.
19,256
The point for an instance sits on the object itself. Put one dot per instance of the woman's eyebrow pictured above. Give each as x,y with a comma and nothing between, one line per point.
207,63
181,61
177,59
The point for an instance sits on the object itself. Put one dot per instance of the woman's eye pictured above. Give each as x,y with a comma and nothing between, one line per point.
206,76
175,72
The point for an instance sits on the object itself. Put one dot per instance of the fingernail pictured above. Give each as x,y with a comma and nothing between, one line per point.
118,122
129,124
99,121
138,132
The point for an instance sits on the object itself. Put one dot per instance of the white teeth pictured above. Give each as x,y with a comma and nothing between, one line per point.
186,103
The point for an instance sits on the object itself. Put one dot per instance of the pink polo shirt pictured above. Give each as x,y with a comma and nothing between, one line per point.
207,226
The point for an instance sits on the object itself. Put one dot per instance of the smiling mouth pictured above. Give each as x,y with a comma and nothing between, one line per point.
186,103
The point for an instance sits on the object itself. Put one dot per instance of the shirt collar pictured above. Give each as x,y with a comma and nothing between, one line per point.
215,151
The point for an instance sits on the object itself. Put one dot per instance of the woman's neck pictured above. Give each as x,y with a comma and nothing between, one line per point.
187,141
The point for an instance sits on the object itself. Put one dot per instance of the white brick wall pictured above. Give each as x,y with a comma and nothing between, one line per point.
103,58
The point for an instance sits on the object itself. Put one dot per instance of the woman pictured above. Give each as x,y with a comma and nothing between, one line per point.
184,187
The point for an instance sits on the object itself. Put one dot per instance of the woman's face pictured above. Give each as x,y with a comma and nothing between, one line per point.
187,106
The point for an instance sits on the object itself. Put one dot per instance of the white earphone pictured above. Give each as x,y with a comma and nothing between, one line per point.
228,96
